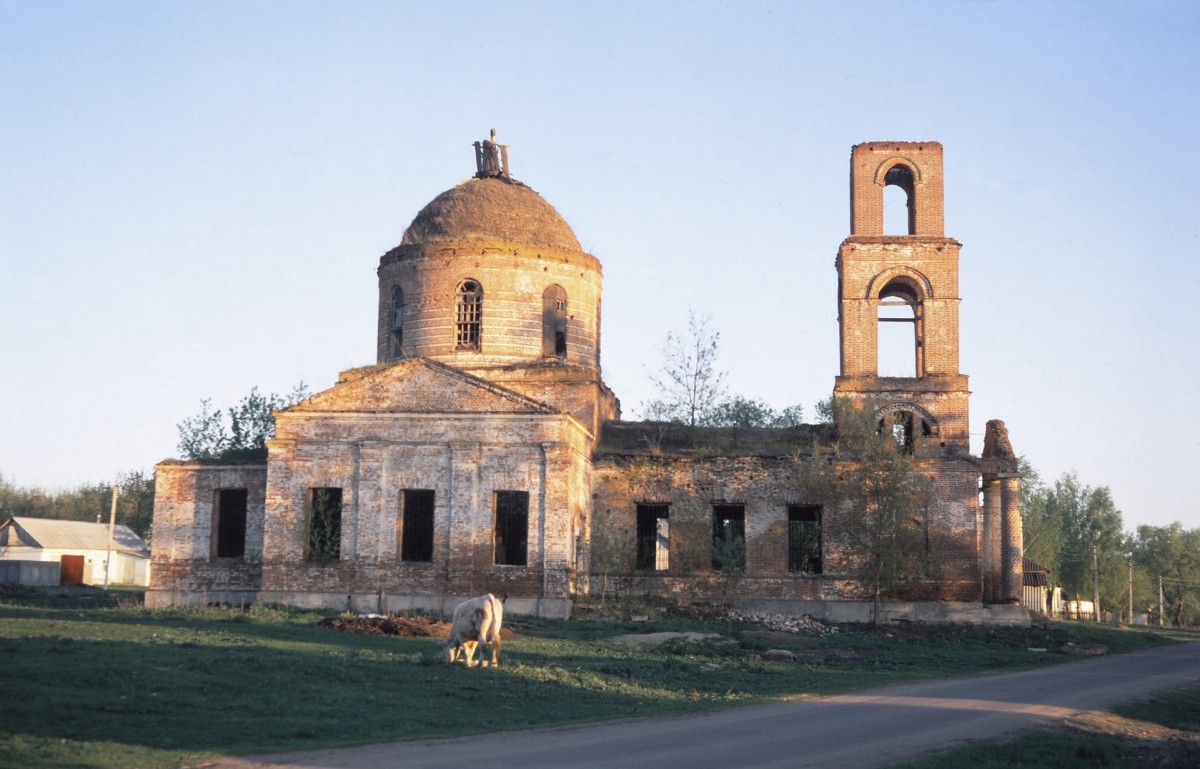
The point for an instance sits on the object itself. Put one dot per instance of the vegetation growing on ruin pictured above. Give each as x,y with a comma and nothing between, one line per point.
238,434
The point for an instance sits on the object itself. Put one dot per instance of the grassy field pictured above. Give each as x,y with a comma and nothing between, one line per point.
95,680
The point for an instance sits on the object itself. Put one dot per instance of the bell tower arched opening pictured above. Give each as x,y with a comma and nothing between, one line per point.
899,204
900,330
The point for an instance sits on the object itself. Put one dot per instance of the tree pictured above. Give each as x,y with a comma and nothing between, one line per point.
689,383
203,436
90,502
740,411
1092,539
1173,553
251,425
1042,520
877,524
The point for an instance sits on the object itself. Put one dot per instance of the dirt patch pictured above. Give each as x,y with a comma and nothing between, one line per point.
374,624
1148,744
405,627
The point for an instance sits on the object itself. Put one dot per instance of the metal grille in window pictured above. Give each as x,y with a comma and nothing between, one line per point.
653,537
468,315
804,539
324,517
729,537
231,523
416,539
512,527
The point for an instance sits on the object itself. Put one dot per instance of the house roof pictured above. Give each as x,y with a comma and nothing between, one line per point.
1035,575
48,534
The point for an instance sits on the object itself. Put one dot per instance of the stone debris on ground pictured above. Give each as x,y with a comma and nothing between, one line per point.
791,623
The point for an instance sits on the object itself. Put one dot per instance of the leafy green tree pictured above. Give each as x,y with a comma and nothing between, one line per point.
788,416
90,502
251,424
740,411
1042,521
1173,553
877,523
203,436
1092,538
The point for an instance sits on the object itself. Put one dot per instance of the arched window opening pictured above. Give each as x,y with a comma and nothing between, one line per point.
900,331
396,321
900,423
554,322
468,315
899,217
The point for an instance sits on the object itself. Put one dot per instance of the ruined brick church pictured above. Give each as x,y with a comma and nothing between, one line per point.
483,452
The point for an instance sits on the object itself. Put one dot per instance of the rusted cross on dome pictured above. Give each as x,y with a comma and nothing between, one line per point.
491,159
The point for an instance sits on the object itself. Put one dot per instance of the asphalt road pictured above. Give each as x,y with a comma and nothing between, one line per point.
874,728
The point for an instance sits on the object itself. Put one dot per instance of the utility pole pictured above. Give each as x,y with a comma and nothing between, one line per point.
1096,583
1160,601
112,523
1129,580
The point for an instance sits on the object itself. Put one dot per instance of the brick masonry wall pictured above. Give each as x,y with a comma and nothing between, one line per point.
514,278
463,459
765,486
183,553
869,162
865,267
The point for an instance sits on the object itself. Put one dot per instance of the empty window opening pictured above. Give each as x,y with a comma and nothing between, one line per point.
468,315
231,523
729,538
416,525
324,540
804,539
903,424
396,321
512,527
653,537
900,349
899,215
554,322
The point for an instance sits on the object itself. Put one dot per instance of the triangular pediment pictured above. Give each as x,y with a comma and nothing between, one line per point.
418,385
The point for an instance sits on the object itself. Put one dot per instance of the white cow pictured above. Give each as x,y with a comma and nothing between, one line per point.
476,623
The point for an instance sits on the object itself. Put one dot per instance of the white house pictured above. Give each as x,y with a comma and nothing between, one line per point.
83,550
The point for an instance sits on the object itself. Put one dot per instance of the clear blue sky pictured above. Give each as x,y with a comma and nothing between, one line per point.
194,198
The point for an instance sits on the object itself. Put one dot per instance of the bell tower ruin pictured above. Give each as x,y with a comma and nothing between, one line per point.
898,297
898,304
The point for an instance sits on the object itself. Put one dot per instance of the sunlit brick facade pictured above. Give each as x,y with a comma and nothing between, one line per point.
482,452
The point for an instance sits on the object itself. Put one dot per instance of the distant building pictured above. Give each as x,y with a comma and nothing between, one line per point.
82,550
483,452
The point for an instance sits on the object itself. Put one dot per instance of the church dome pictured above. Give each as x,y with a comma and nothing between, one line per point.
491,209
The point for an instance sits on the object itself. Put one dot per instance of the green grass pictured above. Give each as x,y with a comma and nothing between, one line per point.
98,681
1075,748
